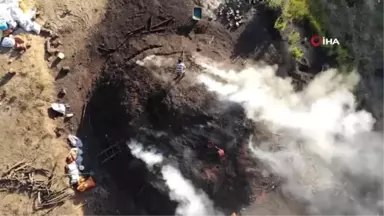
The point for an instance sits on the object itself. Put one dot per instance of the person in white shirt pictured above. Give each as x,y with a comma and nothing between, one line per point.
180,69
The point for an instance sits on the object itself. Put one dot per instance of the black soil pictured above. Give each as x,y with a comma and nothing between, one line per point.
128,102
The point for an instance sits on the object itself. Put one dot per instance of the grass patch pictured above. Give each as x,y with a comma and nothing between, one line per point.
281,24
275,3
294,38
296,52
296,9
316,13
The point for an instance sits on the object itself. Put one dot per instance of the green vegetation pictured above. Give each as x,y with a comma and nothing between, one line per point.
280,24
296,9
296,52
275,3
313,11
294,40
294,37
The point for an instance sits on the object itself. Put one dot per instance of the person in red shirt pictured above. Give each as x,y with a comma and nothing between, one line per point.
220,152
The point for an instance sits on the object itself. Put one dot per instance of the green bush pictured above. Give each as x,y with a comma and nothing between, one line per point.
280,24
296,52
296,9
294,38
275,3
313,11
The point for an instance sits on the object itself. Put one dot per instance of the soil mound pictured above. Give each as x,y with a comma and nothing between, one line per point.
129,103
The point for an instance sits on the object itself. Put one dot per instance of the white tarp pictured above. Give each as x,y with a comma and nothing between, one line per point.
11,13
73,172
75,141
58,107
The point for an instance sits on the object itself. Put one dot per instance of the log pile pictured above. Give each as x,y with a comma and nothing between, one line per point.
20,178
149,28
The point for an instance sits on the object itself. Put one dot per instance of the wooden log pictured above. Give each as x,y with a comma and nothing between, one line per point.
13,167
149,24
165,22
143,50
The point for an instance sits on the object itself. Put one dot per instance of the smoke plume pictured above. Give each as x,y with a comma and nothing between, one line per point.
191,202
150,157
325,149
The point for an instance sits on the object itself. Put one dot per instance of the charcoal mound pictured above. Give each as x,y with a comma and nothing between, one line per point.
129,103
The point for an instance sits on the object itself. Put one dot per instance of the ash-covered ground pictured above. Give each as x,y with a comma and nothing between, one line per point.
129,101
179,121
135,100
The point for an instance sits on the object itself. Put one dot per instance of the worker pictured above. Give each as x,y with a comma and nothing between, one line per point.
180,69
219,152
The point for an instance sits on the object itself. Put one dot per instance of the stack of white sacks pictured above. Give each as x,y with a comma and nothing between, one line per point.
76,166
12,16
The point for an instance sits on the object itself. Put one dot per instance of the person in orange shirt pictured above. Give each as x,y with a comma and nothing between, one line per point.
220,152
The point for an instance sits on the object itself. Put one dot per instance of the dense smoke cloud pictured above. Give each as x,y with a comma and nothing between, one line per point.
327,153
191,202
150,157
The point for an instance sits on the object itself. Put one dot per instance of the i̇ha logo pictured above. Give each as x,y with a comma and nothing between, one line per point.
318,41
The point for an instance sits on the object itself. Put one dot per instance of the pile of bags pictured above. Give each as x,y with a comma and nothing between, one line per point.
74,166
13,14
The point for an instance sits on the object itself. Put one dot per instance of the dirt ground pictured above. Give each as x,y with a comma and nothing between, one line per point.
83,26
27,132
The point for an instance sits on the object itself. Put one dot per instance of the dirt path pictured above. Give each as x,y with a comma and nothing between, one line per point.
26,130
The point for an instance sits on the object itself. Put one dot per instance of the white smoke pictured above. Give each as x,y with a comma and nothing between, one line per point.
328,153
154,61
191,202
150,157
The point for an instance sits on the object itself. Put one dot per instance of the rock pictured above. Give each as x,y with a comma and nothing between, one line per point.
59,132
62,92
49,49
10,61
54,36
69,115
51,58
60,55
46,32
59,108
56,43
65,69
